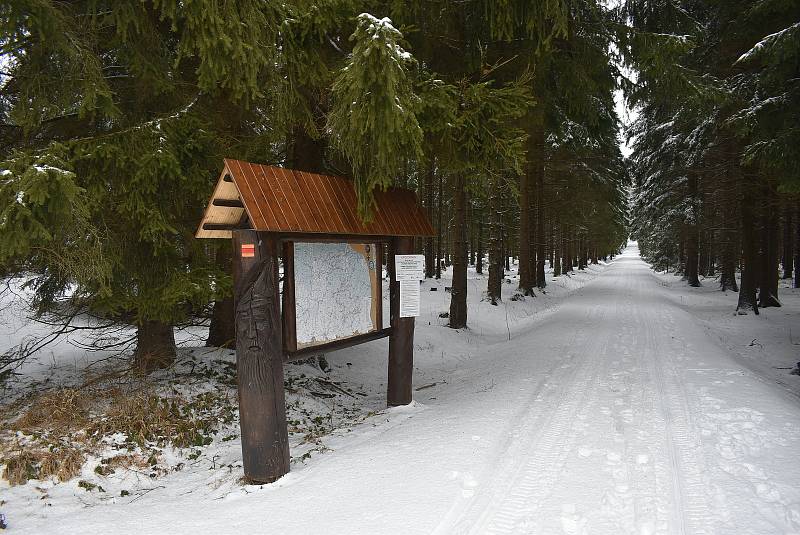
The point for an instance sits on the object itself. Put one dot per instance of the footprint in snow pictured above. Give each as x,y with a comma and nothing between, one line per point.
468,485
768,493
572,522
726,452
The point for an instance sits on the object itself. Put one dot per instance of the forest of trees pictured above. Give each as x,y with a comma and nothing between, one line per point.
716,165
115,117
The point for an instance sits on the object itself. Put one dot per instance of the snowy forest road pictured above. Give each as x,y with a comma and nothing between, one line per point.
646,426
613,413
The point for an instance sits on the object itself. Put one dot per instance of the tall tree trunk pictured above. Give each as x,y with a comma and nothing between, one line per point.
711,270
747,291
702,255
769,273
729,237
797,248
541,253
692,232
439,231
458,293
692,256
708,248
526,275
430,252
222,331
557,262
155,346
585,251
471,224
479,254
495,283
307,153
788,242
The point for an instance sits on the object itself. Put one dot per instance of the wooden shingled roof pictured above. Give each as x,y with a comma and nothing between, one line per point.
274,199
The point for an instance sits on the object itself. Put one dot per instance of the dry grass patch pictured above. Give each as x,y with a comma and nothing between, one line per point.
65,409
24,462
148,418
58,429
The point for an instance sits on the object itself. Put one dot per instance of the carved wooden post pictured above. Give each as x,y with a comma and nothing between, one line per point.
259,356
401,341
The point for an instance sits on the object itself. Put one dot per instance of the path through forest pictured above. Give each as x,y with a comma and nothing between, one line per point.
645,426
615,413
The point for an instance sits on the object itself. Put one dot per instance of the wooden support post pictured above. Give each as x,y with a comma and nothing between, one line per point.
289,312
401,341
259,356
379,276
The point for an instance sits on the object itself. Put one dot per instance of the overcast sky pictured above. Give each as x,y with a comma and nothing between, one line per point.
627,116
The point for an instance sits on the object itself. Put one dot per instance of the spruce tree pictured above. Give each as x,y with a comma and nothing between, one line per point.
135,99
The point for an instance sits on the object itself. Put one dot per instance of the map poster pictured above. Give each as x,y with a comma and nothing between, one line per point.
336,291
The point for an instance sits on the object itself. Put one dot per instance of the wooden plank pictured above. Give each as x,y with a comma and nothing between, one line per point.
379,274
335,222
222,226
380,224
259,357
344,193
422,227
254,208
386,225
308,351
404,204
346,220
289,187
210,212
223,215
384,213
401,341
404,208
268,180
311,210
333,238
270,194
266,205
289,310
228,203
316,198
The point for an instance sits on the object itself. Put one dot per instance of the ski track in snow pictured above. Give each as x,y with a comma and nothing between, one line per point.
614,413
626,355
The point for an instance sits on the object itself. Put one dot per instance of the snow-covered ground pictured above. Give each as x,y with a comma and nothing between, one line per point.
620,402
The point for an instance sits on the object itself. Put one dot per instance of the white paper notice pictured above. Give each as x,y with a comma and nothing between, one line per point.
409,267
409,299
